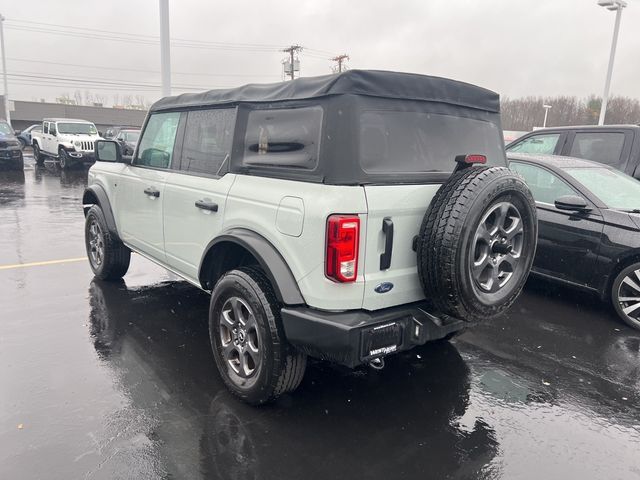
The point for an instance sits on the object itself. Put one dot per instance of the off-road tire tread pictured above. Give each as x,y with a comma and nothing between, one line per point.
117,256
39,157
440,232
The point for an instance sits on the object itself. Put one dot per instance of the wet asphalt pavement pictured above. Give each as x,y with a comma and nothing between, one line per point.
116,380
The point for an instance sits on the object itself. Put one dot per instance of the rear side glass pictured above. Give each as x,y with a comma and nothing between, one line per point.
207,140
283,138
156,145
544,185
542,144
419,142
603,147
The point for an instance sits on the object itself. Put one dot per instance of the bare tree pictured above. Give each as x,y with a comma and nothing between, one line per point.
528,112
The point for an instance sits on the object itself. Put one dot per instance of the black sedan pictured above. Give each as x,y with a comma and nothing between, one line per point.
588,227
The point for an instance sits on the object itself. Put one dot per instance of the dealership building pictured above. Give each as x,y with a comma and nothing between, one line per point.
24,114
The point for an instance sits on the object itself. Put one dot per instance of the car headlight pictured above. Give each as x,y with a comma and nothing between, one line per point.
77,143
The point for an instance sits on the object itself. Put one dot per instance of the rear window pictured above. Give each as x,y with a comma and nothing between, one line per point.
283,138
603,147
418,142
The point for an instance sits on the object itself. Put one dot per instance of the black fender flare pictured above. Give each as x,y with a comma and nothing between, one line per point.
96,195
274,266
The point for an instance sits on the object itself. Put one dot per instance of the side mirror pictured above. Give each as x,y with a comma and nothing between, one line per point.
108,151
572,203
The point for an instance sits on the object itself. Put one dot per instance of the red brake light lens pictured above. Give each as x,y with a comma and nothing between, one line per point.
343,237
475,158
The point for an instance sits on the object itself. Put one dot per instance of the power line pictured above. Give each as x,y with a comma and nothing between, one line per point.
139,70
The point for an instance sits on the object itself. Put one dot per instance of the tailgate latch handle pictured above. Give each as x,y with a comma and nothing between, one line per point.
387,230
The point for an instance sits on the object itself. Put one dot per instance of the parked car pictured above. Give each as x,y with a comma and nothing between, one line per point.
128,139
615,145
69,141
10,150
25,135
588,227
347,217
112,132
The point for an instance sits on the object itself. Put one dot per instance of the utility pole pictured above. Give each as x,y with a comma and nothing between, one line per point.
165,48
340,59
4,72
291,51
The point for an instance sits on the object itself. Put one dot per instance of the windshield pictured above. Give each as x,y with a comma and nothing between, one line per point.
616,189
80,128
5,129
416,142
131,136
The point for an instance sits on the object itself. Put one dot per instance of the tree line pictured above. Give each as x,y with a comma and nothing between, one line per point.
528,112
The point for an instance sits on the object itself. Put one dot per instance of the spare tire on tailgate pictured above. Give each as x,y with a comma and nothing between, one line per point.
477,242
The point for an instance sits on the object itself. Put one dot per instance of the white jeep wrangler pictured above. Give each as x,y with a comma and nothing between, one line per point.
68,140
346,217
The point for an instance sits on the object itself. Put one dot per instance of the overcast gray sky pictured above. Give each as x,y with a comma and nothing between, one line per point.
515,47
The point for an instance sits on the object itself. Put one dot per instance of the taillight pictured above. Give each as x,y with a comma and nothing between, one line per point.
343,237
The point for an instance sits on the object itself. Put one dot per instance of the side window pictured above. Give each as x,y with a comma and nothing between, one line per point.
156,144
52,129
283,138
544,185
603,147
46,127
544,144
207,140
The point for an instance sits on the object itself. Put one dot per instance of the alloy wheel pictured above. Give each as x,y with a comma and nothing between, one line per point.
96,244
239,337
628,295
497,247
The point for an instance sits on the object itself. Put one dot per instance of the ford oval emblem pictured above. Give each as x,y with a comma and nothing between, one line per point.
384,287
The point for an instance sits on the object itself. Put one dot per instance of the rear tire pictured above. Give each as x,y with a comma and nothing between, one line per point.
108,257
477,243
624,291
37,154
253,357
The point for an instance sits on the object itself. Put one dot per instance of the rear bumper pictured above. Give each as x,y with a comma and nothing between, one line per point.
355,337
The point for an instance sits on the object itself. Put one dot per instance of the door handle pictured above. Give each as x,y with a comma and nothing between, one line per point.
387,230
206,205
152,192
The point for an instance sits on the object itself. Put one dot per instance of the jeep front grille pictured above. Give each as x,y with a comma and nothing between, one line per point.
86,145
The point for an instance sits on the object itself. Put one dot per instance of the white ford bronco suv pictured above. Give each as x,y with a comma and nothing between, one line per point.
68,140
346,217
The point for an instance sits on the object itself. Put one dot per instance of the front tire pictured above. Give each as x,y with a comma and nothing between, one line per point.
64,159
251,352
625,295
108,257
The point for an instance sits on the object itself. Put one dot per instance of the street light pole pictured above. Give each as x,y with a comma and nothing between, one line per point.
165,48
4,72
546,111
617,6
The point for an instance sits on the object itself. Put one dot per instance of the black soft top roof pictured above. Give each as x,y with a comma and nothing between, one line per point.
375,83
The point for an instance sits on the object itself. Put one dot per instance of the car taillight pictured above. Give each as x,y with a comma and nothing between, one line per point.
343,237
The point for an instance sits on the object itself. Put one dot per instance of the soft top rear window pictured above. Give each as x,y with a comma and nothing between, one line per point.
420,142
